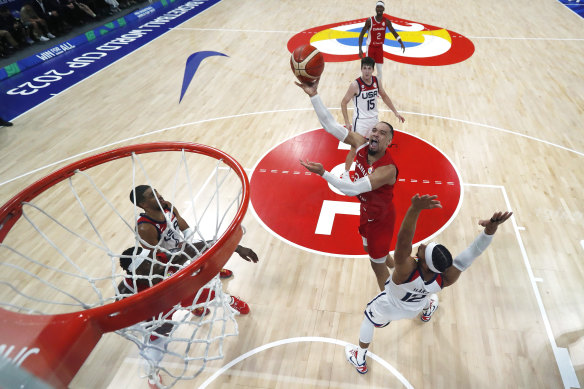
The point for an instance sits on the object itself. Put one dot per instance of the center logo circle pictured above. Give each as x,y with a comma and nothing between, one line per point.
303,210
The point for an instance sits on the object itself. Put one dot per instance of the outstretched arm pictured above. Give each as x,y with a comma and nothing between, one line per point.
405,236
477,247
326,119
389,103
201,246
350,188
395,34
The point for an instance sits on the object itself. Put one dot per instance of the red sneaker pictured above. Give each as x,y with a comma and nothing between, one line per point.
201,311
225,273
239,305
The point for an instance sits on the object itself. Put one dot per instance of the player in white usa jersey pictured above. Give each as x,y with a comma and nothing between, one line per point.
412,286
364,91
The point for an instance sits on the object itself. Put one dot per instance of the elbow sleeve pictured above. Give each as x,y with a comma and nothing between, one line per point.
327,121
349,188
466,258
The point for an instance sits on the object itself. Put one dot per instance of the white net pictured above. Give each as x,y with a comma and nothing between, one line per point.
65,252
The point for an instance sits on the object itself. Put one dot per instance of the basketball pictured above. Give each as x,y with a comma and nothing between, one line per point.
307,63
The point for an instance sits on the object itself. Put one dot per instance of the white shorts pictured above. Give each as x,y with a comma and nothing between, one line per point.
381,311
364,126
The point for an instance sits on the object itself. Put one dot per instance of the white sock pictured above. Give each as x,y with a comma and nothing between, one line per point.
361,354
366,331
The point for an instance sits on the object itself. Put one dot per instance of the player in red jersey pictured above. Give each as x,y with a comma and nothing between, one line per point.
375,175
375,28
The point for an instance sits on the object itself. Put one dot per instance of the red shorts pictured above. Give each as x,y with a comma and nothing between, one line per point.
375,52
378,231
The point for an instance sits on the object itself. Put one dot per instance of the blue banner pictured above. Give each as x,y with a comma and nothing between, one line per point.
54,70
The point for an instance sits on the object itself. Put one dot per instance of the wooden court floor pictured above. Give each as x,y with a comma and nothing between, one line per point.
509,117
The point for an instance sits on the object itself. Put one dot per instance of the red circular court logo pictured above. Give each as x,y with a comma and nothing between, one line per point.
302,209
425,44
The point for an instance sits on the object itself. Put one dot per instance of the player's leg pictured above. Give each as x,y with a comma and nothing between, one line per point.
379,68
377,264
379,235
389,262
356,354
380,269
377,314
377,54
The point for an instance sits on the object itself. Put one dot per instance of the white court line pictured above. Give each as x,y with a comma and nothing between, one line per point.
277,343
298,32
269,112
561,355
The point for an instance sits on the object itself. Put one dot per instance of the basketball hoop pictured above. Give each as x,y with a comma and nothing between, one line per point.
53,346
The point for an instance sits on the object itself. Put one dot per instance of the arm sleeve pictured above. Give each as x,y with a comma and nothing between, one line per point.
327,121
465,259
349,188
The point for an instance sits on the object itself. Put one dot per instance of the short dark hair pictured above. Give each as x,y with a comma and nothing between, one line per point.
441,258
126,257
140,189
367,61
390,128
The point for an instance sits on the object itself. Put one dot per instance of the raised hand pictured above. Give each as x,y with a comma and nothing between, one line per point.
313,167
247,254
425,202
309,89
492,223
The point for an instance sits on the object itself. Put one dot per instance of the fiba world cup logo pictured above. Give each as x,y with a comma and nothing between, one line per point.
425,45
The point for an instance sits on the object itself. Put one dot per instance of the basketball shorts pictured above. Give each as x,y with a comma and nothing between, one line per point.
365,125
378,231
375,52
381,310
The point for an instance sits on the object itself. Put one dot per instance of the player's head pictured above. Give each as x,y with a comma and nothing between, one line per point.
147,198
435,257
367,61
126,257
140,192
380,137
379,7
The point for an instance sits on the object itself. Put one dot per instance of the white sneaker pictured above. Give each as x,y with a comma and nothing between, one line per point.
351,355
51,36
43,38
427,313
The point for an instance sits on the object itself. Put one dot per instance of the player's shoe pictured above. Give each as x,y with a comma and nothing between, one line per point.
427,313
351,354
239,305
225,273
201,311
